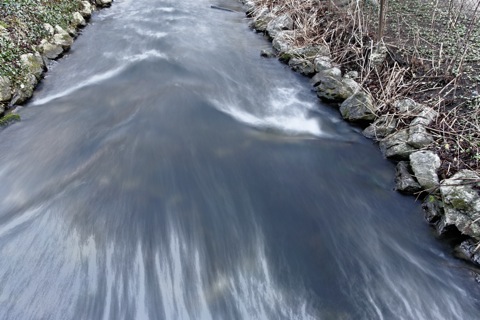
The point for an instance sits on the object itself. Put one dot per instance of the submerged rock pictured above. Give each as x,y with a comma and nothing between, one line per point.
404,180
358,107
425,165
462,203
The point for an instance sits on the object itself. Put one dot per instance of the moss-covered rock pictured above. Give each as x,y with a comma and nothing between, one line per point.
9,119
33,64
359,107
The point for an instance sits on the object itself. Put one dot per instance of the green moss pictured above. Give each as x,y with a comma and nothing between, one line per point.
8,119
22,22
285,57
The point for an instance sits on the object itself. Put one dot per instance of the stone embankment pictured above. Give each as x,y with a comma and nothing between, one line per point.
451,205
34,64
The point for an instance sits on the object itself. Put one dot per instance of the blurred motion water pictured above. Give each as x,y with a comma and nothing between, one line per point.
165,171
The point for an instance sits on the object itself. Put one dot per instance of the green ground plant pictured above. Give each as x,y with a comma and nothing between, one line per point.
22,28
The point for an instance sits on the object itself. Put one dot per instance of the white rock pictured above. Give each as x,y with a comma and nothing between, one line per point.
33,63
424,165
87,9
78,20
5,89
49,28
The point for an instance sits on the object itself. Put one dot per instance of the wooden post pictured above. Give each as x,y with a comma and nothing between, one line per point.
381,19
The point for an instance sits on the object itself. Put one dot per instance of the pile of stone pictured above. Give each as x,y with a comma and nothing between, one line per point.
35,63
450,205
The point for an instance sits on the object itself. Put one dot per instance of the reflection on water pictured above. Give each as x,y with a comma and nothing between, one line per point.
165,171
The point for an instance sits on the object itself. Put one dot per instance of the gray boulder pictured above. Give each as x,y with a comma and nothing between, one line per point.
425,165
280,23
78,20
359,107
468,250
380,128
311,52
86,10
261,20
407,107
433,209
302,66
404,180
395,145
33,63
25,91
331,72
249,7
283,41
50,50
5,89
461,203
419,137
62,38
322,63
425,117
331,87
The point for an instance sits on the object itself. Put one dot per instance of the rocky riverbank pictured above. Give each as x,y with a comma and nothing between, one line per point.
452,205
32,34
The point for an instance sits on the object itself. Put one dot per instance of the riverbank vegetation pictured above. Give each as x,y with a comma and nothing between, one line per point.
432,54
32,33
22,28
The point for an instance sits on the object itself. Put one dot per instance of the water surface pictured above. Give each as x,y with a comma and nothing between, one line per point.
164,170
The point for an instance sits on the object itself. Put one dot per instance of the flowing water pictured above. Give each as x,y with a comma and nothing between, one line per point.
165,171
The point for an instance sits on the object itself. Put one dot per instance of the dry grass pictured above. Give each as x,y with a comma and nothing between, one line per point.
433,52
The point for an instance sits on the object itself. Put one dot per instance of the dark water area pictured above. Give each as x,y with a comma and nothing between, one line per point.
164,170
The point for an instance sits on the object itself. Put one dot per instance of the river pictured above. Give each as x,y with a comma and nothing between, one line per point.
164,170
